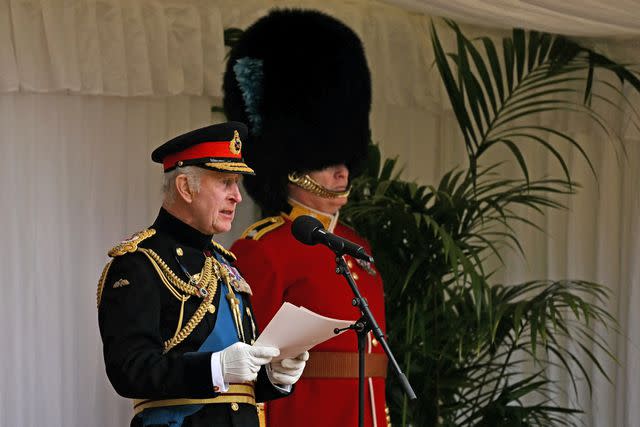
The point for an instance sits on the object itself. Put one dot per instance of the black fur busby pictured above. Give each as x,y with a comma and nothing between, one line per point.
299,79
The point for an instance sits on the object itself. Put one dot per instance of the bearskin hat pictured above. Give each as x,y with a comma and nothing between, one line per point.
299,79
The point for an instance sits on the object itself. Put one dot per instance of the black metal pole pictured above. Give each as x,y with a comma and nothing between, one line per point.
362,336
363,326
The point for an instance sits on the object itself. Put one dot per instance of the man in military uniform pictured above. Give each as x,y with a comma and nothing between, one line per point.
174,313
300,79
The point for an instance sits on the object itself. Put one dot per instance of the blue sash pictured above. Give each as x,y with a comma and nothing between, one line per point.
223,335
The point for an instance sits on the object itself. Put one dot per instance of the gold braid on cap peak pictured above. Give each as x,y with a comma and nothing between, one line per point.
306,183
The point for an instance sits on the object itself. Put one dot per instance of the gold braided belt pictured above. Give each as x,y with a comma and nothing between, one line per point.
237,393
325,364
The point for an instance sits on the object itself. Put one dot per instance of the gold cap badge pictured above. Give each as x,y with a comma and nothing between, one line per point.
235,145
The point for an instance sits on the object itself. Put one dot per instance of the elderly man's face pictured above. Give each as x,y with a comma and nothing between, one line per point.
334,178
214,206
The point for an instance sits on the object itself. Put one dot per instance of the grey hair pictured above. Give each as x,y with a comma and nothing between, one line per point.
193,174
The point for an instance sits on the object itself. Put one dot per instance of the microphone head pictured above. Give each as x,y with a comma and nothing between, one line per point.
304,227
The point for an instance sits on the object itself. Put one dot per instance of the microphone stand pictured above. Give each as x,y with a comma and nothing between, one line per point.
362,326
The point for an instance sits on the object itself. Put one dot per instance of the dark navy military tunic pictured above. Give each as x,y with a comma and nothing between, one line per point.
137,313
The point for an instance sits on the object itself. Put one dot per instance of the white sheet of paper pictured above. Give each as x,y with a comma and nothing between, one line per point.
294,330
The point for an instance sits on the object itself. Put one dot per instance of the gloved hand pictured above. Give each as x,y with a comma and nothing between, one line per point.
241,362
288,371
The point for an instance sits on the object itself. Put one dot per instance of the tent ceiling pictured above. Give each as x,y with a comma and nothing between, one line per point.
587,18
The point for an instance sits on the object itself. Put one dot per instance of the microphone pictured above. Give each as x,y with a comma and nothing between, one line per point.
308,230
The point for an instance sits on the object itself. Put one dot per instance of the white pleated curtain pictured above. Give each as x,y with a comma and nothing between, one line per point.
570,17
102,47
89,88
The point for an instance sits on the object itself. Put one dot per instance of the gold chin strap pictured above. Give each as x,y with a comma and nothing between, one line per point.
306,183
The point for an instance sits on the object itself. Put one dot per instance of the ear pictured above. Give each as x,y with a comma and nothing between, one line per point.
182,188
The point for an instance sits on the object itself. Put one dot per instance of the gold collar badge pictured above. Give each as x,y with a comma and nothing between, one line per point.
235,145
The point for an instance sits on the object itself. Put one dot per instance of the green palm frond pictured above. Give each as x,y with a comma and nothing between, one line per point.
466,344
464,340
492,95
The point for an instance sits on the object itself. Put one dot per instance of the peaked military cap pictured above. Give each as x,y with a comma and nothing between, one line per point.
216,147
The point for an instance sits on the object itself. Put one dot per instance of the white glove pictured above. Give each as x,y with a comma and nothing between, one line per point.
288,371
241,362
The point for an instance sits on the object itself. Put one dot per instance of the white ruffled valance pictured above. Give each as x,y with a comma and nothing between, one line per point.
111,47
160,47
586,18
169,47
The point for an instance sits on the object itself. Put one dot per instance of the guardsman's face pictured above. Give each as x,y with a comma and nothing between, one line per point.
214,206
334,178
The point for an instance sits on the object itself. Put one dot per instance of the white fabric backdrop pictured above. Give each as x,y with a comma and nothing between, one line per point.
75,177
112,47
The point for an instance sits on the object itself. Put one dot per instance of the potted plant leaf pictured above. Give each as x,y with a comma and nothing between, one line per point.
467,344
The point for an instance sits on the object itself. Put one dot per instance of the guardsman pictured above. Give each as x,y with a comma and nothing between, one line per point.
175,315
301,82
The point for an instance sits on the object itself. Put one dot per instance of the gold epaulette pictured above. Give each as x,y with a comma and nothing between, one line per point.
230,256
126,246
131,244
262,227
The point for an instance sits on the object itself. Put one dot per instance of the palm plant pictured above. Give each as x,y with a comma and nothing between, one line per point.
466,343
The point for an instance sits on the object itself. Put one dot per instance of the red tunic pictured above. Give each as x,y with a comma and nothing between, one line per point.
279,268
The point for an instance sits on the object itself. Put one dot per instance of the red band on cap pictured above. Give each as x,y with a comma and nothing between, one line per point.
204,149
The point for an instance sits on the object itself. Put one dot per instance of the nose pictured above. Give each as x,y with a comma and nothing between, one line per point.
341,172
236,196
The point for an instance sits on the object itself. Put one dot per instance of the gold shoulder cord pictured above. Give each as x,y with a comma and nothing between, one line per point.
103,277
197,288
204,287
